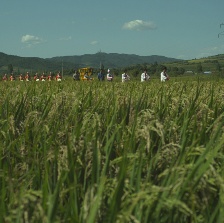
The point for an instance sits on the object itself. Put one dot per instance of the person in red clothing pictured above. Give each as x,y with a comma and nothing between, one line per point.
11,77
4,78
49,77
27,76
35,77
58,76
42,77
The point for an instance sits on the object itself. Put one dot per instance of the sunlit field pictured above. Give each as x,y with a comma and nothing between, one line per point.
106,152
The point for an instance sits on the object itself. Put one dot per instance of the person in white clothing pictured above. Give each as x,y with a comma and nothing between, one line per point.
109,75
164,75
144,76
125,77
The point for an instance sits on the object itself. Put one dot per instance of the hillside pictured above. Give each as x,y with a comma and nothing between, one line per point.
112,60
211,63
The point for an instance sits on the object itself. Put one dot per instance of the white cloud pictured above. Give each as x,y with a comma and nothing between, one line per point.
94,42
139,25
31,40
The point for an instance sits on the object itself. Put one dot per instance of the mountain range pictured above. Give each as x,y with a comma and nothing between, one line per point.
108,60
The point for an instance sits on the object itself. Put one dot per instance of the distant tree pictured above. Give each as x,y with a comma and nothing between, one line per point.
160,68
181,71
18,71
116,72
10,68
168,69
126,69
102,66
199,68
135,72
218,67
145,65
152,70
138,67
72,71
155,64
175,70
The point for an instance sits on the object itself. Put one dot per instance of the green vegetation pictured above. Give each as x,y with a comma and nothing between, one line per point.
112,152
116,62
69,63
215,64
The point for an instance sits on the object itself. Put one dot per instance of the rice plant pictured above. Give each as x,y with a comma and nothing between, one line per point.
112,152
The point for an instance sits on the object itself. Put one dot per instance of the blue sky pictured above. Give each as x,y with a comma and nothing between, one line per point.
182,29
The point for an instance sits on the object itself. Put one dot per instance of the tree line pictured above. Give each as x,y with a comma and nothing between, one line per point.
136,70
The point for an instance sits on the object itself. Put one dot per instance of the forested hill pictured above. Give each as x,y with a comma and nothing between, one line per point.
112,60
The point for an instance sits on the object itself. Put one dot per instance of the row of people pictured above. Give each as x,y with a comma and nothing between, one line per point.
110,76
125,77
36,77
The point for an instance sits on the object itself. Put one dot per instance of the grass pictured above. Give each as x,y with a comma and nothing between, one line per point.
112,152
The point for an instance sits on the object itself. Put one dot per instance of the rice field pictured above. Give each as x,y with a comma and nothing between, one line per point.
112,152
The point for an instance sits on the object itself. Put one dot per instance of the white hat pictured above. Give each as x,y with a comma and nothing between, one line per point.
108,70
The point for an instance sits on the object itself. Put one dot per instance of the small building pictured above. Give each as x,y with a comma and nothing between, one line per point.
207,72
